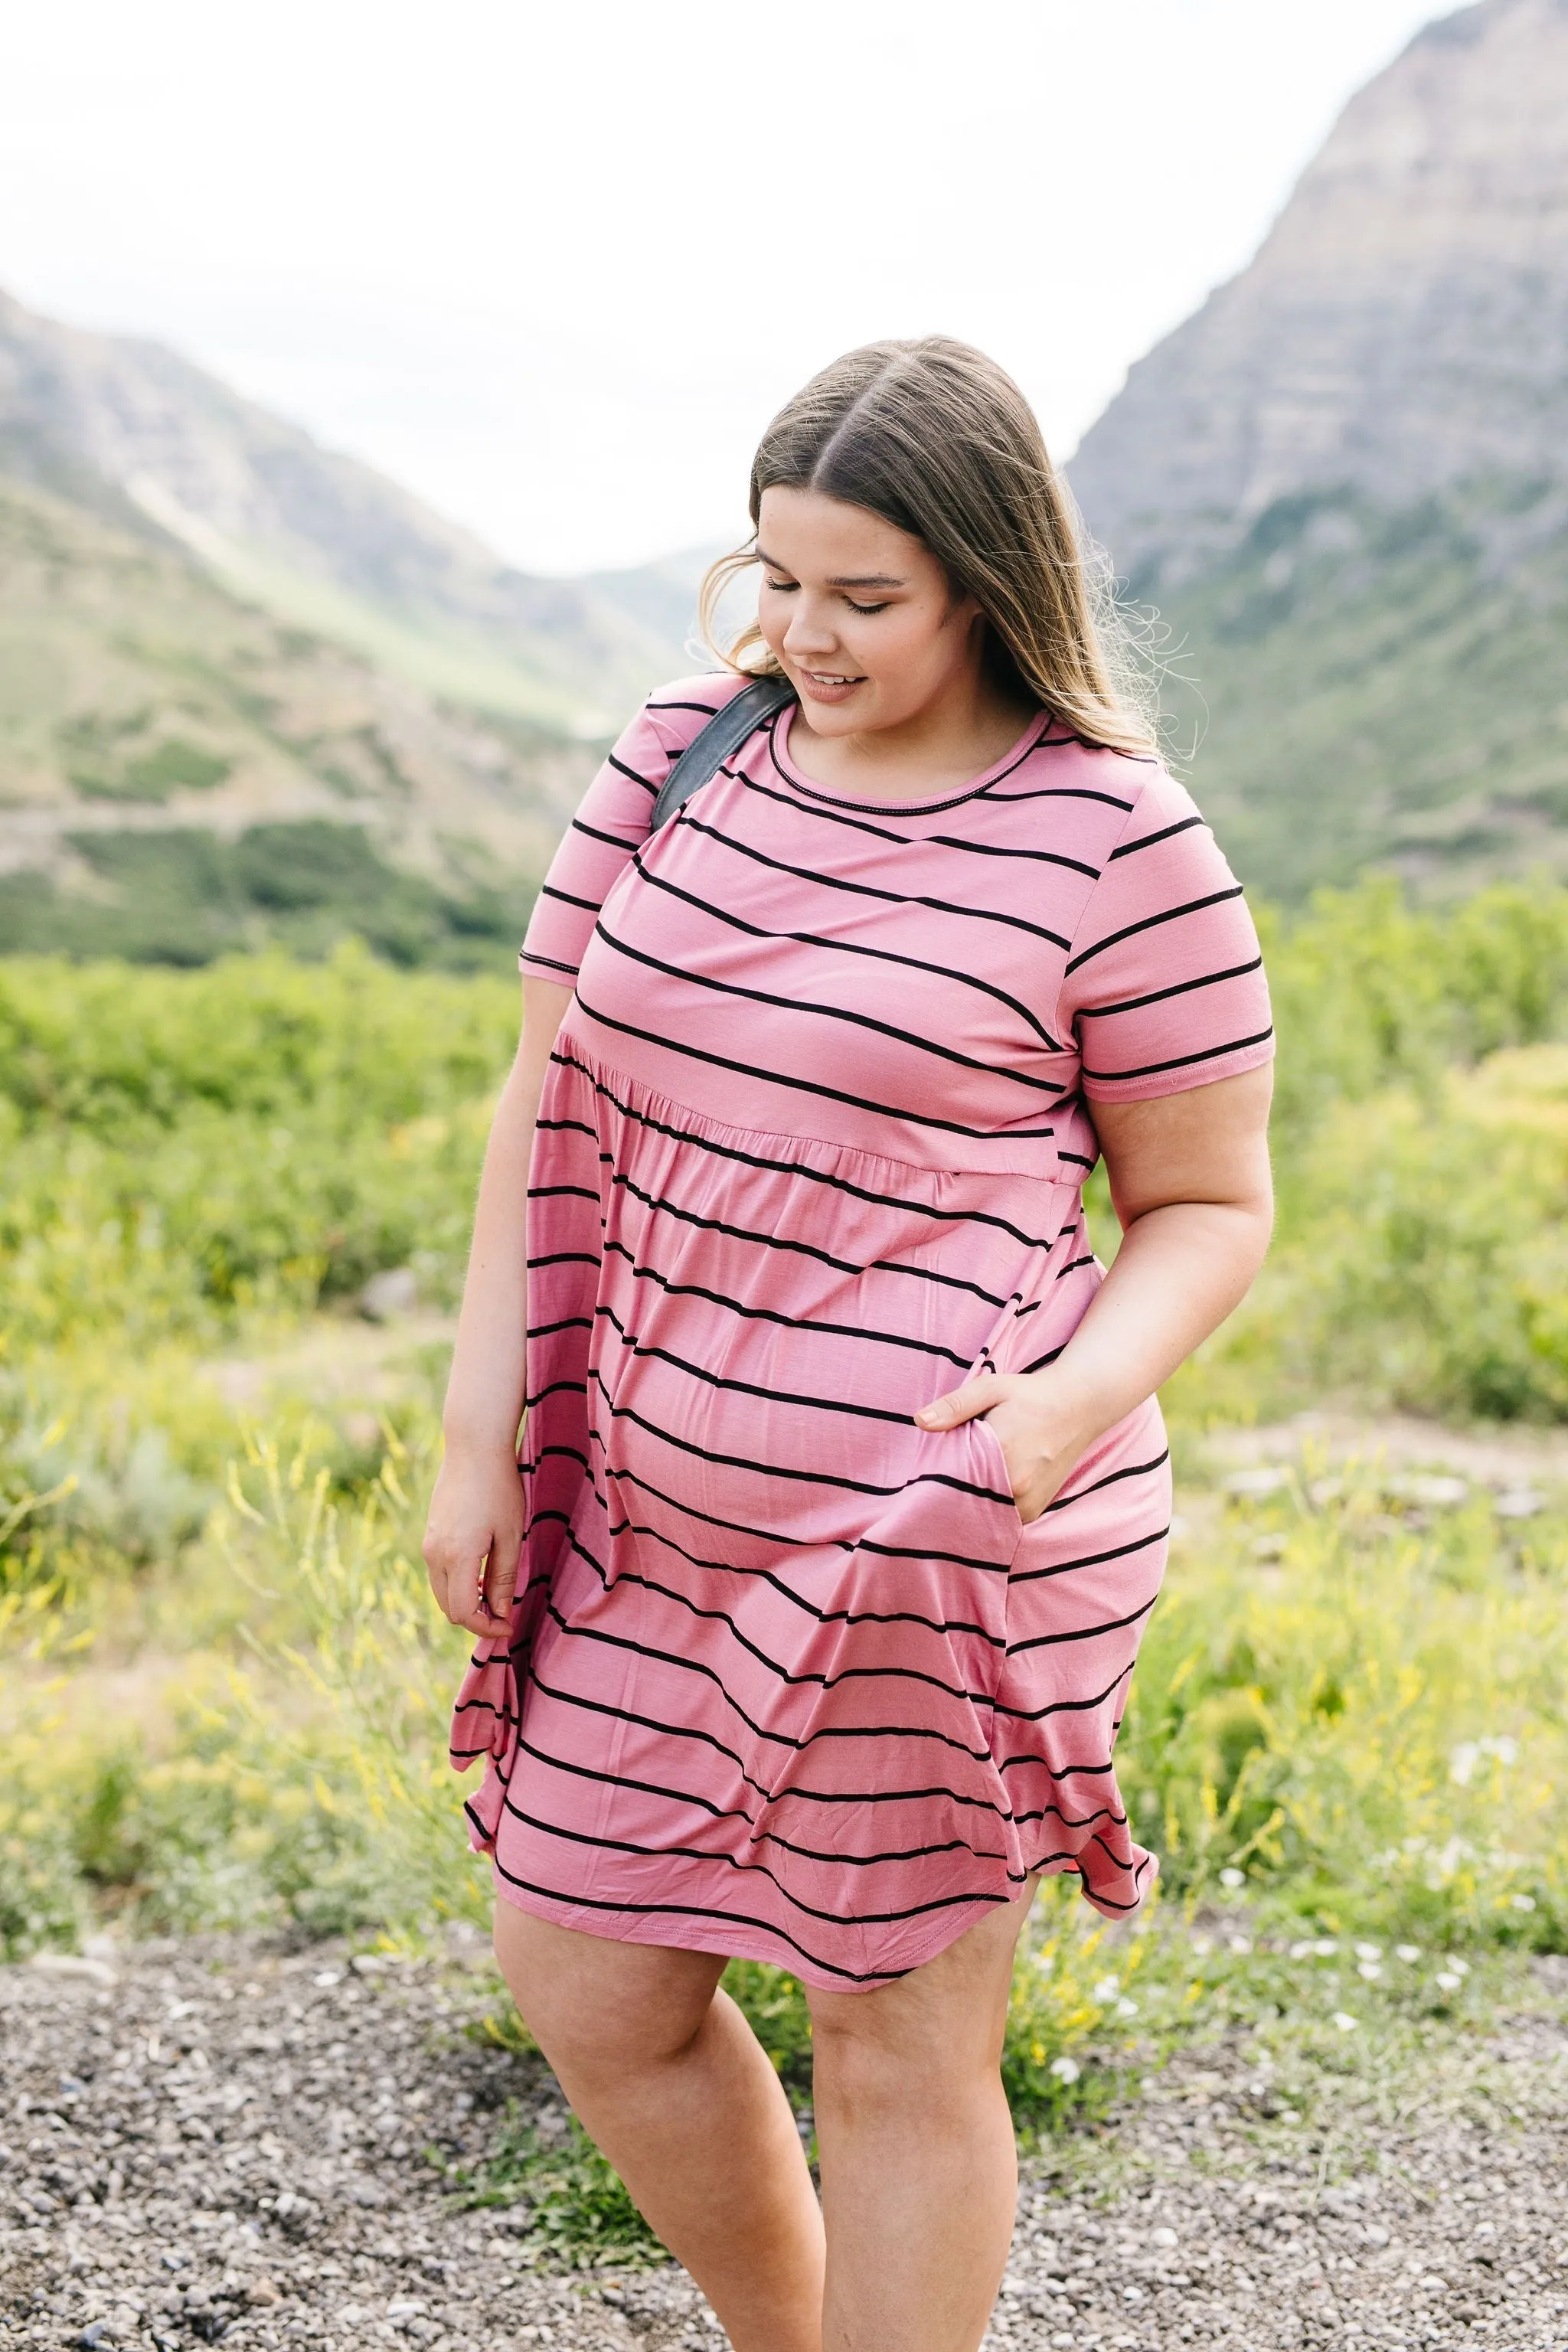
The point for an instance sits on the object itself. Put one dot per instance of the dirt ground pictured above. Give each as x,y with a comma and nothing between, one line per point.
225,2141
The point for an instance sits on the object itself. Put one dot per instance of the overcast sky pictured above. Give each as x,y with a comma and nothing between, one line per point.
554,265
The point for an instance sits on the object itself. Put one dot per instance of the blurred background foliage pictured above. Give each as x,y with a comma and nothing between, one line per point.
224,1690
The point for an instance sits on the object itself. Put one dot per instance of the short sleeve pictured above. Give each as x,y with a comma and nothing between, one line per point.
1165,988
612,823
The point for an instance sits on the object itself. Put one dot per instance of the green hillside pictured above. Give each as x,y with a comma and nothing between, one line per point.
181,774
1375,688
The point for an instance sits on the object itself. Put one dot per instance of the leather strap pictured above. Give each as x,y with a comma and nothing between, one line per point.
718,741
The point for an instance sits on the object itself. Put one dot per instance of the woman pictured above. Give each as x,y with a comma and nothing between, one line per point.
843,1495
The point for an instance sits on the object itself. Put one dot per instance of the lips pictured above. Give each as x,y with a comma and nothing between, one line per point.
824,686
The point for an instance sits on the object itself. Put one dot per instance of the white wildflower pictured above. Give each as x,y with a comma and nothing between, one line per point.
1066,2069
1409,1953
1346,2023
1233,1877
1369,1951
1241,1943
1126,2009
1107,1988
1523,1902
1370,1970
1325,1947
1449,1981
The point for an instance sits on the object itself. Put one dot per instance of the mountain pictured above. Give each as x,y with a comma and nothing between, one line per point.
251,691
149,442
1344,483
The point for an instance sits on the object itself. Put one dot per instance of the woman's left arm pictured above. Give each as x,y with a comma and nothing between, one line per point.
1190,1182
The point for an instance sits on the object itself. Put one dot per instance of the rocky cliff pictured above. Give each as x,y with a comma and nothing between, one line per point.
1402,328
1344,484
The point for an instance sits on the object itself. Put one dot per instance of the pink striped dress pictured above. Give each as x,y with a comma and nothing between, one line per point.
788,1677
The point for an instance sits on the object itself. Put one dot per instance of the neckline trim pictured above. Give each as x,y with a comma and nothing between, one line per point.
778,740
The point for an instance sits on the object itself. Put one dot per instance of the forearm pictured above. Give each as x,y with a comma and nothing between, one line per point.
1181,1270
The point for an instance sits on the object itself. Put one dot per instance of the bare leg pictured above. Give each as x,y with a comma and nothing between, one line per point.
920,2169
671,2083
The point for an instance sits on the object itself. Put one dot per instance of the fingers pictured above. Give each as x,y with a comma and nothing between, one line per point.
501,1577
962,1404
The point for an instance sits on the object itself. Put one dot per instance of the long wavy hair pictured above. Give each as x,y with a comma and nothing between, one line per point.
939,440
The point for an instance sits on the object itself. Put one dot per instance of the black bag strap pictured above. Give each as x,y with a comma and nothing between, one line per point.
718,741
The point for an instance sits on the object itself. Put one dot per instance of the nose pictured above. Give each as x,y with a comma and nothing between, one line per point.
810,632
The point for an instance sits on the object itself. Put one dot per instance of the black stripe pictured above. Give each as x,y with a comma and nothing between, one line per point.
868,890
708,709
839,1918
1082,1632
796,1543
779,1469
800,1249
1063,1706
567,1323
1060,792
613,840
1072,1821
637,1347
941,1626
1147,841
805,1086
1112,1478
613,1247
569,898
770,1796
1159,996
774,1837
631,774
801,1168
566,1257
774,1003
531,955
1150,922
993,849
780,1673
918,808
834,812
1092,1558
848,947
1178,1061
697,1911
760,1730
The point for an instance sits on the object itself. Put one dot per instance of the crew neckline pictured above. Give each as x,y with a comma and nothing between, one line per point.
931,805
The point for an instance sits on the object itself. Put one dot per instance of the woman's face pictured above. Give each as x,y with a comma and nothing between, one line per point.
861,615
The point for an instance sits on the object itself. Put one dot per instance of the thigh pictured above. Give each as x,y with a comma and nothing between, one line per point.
951,2011
595,2003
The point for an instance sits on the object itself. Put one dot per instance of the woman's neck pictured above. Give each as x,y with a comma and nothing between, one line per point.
939,748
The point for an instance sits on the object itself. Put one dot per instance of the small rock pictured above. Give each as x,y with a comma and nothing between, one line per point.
394,1291
74,1964
1265,1479
1519,1503
263,2291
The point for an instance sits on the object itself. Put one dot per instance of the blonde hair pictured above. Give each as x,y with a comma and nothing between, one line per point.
937,439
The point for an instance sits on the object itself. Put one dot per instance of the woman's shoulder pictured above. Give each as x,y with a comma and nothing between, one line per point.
675,715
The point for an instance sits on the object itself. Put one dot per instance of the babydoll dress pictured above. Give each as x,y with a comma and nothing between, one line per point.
789,1679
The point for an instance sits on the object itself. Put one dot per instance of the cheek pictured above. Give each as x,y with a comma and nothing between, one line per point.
773,617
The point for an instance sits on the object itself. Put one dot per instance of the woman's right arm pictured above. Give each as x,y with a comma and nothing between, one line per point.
474,1535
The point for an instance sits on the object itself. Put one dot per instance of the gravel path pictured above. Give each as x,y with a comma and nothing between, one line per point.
221,2140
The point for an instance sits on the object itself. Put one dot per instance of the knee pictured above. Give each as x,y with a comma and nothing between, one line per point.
598,2025
866,2074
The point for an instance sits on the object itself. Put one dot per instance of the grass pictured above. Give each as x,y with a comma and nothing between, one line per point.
223,1691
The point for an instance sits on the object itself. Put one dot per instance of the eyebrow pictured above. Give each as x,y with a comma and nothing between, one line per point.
842,580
